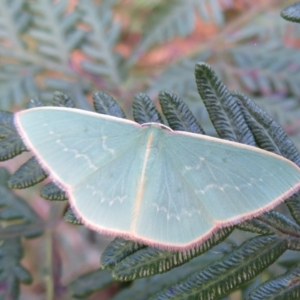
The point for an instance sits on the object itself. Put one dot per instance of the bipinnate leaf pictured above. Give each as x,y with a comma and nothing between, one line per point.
105,104
11,144
100,41
144,110
268,134
223,108
118,250
70,217
55,33
286,286
11,271
292,13
88,283
178,114
236,268
175,18
52,192
150,261
29,174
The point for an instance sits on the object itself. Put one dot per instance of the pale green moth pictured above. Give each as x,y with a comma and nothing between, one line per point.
165,188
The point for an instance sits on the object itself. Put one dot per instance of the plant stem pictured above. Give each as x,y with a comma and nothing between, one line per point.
54,217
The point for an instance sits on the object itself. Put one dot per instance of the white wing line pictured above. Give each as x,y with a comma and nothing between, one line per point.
187,182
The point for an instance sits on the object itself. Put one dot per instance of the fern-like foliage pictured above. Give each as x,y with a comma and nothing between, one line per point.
259,58
14,22
17,220
177,19
240,257
101,39
275,73
285,286
39,40
54,32
10,143
51,45
179,78
12,272
197,273
14,208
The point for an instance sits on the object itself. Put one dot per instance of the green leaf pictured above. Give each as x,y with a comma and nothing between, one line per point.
105,104
179,78
223,108
292,13
293,203
13,207
14,79
62,100
269,135
52,192
17,81
88,283
101,38
11,144
15,20
286,286
257,121
284,227
144,110
280,222
118,250
34,102
29,174
144,288
256,226
150,261
54,31
236,268
256,63
178,114
59,99
70,217
11,272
